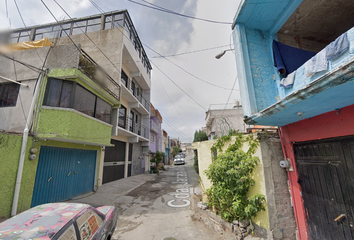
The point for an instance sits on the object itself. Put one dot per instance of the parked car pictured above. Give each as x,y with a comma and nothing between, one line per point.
179,160
61,221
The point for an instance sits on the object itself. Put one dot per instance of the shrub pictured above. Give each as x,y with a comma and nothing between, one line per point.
230,175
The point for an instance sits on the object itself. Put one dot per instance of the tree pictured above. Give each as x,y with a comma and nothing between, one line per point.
156,158
175,151
200,136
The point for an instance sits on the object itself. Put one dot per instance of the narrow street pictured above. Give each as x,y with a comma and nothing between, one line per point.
159,208
156,211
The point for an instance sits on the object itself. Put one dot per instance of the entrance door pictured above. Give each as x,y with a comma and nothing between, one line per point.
63,173
114,161
326,178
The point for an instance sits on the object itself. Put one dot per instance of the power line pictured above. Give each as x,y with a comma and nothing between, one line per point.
158,8
179,87
24,24
174,105
173,127
229,95
187,71
179,54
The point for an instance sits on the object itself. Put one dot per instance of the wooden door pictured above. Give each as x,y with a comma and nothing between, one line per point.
325,169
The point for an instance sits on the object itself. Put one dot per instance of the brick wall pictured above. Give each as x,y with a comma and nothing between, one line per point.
281,214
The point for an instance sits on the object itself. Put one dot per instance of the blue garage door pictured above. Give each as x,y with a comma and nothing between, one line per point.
63,173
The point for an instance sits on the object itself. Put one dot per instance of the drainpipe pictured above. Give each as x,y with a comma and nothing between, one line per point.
24,146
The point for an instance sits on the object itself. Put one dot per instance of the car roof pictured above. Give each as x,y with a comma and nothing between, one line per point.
42,221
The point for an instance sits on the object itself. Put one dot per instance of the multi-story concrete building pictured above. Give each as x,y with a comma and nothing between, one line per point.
220,121
295,64
87,112
155,130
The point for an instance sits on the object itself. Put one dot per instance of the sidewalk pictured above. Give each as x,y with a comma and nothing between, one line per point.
109,193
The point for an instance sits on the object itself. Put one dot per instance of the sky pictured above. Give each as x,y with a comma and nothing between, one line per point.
178,89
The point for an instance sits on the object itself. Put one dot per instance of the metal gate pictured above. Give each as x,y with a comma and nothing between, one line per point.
327,182
63,173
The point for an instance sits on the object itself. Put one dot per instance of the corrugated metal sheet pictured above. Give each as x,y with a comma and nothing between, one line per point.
63,173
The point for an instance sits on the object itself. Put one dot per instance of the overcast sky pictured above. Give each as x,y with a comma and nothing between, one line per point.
167,34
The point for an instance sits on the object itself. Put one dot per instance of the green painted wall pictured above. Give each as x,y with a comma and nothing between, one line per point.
28,178
70,125
10,147
77,76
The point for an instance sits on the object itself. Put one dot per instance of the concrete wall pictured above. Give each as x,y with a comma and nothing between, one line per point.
270,180
137,159
233,117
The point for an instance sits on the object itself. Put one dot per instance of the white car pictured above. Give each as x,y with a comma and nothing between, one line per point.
179,160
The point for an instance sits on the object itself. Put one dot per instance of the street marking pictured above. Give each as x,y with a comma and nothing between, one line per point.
182,192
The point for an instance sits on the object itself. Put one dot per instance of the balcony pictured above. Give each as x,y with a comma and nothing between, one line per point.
92,70
131,93
132,129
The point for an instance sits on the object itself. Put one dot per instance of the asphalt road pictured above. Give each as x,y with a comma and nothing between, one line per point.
160,209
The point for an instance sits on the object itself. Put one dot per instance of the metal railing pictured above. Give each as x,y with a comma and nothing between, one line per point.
92,70
137,94
127,123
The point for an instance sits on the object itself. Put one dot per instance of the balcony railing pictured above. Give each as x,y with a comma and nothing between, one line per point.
91,69
137,94
128,124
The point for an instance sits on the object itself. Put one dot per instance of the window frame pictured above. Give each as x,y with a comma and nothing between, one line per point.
72,97
2,90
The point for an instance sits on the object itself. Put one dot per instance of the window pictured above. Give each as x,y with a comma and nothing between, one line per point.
103,110
124,79
84,101
69,234
8,94
68,94
122,117
88,224
152,138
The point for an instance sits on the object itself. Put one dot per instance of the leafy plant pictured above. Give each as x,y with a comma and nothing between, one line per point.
230,175
196,167
156,158
200,136
175,151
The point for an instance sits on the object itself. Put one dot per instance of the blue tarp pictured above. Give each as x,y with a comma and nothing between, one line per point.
287,59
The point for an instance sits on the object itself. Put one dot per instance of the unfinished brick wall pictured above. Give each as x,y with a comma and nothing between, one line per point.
281,214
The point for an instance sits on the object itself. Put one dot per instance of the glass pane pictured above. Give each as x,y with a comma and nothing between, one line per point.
94,21
122,117
23,39
108,25
69,234
50,35
118,23
84,101
8,94
78,30
25,33
93,28
42,30
80,23
103,111
65,32
66,94
38,36
53,92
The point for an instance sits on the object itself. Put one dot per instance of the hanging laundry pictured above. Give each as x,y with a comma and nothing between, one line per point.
338,46
316,64
287,59
288,82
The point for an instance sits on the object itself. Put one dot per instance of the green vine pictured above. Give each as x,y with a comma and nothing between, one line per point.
230,175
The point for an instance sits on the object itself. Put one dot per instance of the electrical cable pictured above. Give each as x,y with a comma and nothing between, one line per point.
178,14
173,127
230,95
179,54
24,24
174,105
214,85
179,87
